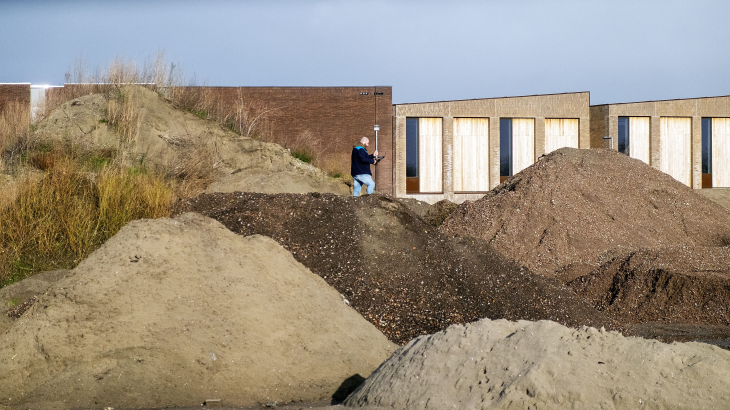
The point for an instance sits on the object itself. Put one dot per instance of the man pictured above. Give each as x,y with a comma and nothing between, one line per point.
360,167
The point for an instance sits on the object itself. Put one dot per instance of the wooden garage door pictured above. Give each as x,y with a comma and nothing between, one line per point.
675,138
429,154
721,152
560,132
523,143
639,138
471,154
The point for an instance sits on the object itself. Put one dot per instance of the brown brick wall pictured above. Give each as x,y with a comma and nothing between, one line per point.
337,117
14,92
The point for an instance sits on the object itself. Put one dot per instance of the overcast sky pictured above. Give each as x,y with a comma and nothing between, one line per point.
620,51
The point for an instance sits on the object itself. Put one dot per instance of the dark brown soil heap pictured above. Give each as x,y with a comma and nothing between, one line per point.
671,285
394,268
559,216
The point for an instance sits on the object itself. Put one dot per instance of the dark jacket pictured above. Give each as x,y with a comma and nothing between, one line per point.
361,161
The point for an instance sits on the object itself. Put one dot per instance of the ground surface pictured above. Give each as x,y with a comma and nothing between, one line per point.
395,269
172,312
574,209
543,365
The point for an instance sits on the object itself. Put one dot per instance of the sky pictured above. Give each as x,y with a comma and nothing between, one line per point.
620,51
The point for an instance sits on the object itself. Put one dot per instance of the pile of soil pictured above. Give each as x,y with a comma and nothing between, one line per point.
673,285
395,269
173,312
543,365
18,296
575,208
180,143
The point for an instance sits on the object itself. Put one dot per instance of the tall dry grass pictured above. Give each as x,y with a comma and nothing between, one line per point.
123,115
59,219
14,131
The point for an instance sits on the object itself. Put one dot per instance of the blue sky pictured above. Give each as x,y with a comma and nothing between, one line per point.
620,51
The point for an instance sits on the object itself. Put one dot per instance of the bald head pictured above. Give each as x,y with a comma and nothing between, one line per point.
364,141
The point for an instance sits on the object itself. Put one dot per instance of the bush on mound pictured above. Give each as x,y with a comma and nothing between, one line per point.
171,312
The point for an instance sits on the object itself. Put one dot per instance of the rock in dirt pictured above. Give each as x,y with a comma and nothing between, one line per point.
575,208
398,271
172,312
181,144
670,284
543,365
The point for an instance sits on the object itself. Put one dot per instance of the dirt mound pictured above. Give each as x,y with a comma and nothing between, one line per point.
673,285
563,213
14,297
543,365
394,268
182,144
172,312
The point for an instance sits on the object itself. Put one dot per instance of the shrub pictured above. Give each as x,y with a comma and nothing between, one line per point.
303,155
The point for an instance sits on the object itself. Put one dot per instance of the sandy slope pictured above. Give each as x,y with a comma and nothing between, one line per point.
172,312
544,365
175,141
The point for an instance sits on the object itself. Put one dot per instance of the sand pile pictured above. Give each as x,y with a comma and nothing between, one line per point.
182,144
173,312
395,269
543,365
673,284
573,209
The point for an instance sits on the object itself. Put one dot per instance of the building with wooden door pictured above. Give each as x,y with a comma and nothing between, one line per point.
688,139
459,150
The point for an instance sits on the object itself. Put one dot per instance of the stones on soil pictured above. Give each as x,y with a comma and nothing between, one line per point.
543,365
573,209
398,271
201,313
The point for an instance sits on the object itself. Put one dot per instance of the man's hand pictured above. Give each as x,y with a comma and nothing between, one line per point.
375,153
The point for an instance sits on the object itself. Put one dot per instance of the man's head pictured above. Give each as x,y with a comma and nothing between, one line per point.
364,141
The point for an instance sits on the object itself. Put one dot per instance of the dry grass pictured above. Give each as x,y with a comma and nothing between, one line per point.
14,130
59,219
123,115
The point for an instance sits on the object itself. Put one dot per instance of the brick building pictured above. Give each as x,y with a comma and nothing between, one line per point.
688,139
17,92
459,150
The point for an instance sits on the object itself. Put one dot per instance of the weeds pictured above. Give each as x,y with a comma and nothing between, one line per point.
59,219
303,155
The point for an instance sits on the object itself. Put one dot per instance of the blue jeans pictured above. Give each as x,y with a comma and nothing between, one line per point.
359,181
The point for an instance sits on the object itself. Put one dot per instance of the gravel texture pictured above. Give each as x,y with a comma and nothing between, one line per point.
574,209
669,284
398,271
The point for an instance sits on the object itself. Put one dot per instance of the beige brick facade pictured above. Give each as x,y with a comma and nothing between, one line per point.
538,107
604,121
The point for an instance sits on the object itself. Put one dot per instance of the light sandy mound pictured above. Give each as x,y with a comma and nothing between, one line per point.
574,208
544,365
180,143
172,312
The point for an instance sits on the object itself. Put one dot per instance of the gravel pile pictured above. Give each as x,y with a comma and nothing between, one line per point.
398,271
670,284
573,209
543,365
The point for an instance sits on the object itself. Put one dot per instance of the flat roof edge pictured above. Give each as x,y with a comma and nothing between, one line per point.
498,98
670,99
